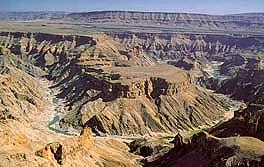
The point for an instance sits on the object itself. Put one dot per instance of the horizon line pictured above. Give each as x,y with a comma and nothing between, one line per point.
136,11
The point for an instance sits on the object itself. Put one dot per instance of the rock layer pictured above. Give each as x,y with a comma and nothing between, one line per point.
149,98
180,20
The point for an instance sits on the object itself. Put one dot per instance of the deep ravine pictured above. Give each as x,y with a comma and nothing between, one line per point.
49,119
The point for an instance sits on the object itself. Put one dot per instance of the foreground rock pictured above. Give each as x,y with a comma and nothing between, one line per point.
77,151
151,148
22,150
247,122
208,151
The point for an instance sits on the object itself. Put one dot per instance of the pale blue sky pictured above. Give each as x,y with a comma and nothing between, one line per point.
192,6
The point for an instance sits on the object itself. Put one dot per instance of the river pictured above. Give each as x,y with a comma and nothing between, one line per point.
48,120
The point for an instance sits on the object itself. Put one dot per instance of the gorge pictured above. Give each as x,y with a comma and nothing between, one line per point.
132,98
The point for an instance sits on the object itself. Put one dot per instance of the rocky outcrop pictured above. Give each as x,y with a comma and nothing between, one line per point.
149,147
20,148
206,150
142,116
63,152
247,85
141,81
87,151
247,122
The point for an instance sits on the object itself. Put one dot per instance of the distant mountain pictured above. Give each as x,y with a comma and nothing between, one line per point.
31,15
164,17
248,21
137,17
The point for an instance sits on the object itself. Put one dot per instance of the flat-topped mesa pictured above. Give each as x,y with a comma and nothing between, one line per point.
181,20
151,81
139,101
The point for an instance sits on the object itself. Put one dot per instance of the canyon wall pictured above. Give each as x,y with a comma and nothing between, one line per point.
98,76
182,20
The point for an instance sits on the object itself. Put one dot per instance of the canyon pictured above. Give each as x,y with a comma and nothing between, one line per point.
132,98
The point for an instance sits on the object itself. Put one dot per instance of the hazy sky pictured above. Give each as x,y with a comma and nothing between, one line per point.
193,6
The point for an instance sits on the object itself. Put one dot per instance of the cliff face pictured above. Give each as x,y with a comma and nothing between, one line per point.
172,46
247,84
149,101
20,94
181,20
238,23
99,75
247,122
151,81
146,116
24,140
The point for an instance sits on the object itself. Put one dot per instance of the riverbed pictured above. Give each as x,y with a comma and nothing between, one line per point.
48,120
